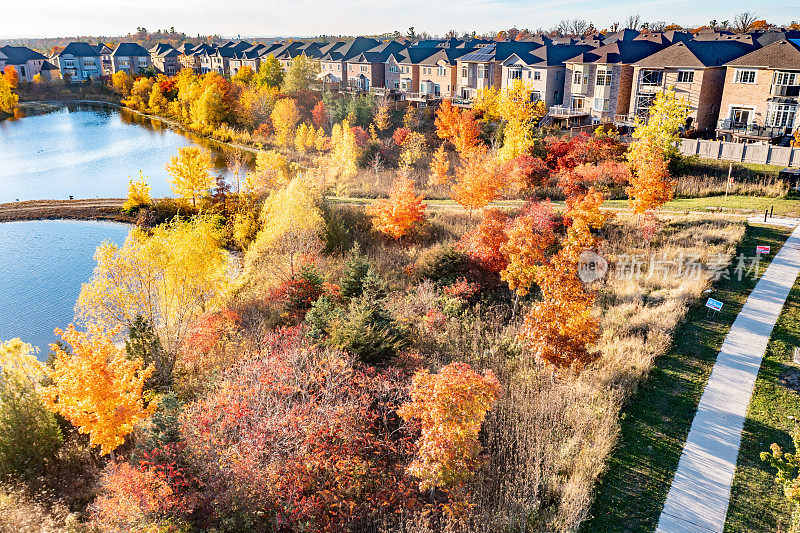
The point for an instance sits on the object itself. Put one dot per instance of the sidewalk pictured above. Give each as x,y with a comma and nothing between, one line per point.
698,498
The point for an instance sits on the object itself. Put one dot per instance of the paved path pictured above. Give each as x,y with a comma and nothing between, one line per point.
698,498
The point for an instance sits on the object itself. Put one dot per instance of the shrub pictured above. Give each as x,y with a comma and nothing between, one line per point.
352,281
443,265
302,437
29,434
368,332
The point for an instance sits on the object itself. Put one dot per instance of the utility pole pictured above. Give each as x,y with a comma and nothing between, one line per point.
728,183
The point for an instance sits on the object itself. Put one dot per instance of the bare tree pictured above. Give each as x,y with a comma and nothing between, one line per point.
576,27
633,22
658,25
743,22
725,24
615,27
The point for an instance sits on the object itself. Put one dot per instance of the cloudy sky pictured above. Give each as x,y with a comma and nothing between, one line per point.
53,18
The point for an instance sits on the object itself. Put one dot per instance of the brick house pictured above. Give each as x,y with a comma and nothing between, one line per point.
760,95
543,69
369,68
695,70
598,82
28,63
333,62
79,61
427,74
165,58
130,57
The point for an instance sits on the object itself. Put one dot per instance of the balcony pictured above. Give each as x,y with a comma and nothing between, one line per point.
749,131
560,111
461,102
789,91
625,120
420,97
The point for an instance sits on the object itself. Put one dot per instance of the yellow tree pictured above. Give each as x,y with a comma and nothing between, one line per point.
18,360
157,102
650,184
97,387
477,180
8,98
138,194
210,108
382,119
271,171
518,112
413,149
122,83
285,117
344,154
190,172
665,118
292,225
397,215
440,166
169,275
487,101
301,74
244,75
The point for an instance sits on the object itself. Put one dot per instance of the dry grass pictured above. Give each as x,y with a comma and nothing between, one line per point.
548,439
20,514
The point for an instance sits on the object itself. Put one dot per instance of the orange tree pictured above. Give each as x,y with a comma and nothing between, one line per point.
396,215
449,407
97,387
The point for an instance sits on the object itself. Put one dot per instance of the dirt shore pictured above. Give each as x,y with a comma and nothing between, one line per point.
97,209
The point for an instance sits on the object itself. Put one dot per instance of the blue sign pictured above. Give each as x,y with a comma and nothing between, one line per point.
716,305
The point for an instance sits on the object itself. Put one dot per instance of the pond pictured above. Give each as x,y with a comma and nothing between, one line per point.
89,151
44,264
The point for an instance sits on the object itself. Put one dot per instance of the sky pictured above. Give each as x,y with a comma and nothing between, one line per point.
263,18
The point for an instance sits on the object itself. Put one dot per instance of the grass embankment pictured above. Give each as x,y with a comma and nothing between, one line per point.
656,420
757,502
754,205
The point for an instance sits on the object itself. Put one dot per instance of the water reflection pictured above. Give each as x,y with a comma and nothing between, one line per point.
91,151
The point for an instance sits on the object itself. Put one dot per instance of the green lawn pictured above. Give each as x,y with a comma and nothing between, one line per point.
656,421
734,204
757,503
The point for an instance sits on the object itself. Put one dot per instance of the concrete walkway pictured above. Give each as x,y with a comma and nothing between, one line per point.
698,498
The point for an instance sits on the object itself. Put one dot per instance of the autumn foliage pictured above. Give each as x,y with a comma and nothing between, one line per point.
398,214
97,387
449,407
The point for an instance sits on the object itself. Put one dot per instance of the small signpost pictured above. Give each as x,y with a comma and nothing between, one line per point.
713,305
762,250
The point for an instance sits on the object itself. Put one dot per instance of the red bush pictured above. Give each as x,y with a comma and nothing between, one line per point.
304,437
400,135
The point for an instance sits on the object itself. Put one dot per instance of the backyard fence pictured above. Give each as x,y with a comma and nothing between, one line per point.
763,154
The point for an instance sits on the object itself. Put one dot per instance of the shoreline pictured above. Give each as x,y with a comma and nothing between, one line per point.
107,209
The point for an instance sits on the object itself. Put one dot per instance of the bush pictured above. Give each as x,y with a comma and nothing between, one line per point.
29,434
444,265
367,331
356,269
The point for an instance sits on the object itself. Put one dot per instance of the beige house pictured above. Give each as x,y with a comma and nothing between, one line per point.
543,69
130,57
760,96
694,69
334,59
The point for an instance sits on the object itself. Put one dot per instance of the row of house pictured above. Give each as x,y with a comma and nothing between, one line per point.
739,86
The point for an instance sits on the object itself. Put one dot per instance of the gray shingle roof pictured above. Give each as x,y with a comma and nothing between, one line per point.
697,54
625,52
130,50
780,54
79,49
17,55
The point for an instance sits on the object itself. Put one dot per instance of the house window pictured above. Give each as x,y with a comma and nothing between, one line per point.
577,103
88,63
392,68
781,115
651,77
481,72
685,76
744,76
740,116
603,78
142,62
601,104
785,78
397,85
537,75
464,71
441,71
576,79
644,102
515,74
536,96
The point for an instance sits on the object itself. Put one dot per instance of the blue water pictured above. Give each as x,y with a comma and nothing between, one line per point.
87,151
43,266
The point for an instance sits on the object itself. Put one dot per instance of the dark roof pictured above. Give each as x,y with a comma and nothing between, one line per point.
350,49
241,46
79,49
698,54
769,37
48,66
626,34
780,54
625,52
381,53
130,49
18,55
164,50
